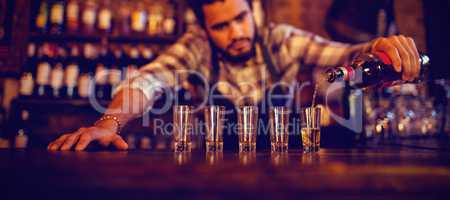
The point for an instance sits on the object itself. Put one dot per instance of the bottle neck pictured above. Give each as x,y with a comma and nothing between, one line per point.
345,73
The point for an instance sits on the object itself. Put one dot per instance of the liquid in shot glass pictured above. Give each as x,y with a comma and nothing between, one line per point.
279,129
310,129
247,128
183,127
214,117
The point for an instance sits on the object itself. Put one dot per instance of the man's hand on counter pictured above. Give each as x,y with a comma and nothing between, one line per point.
403,53
81,139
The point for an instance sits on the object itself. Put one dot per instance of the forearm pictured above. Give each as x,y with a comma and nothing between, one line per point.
126,105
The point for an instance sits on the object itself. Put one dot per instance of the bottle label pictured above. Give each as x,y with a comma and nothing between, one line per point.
57,75
26,84
31,50
72,14
169,25
189,16
384,58
89,17
71,75
154,24
138,19
84,85
43,73
72,11
104,22
41,19
147,53
115,76
57,13
101,74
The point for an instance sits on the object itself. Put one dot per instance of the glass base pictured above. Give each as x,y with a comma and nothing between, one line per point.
311,149
183,146
279,147
214,146
247,147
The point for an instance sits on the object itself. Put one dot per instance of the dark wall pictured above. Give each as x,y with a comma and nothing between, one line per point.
437,18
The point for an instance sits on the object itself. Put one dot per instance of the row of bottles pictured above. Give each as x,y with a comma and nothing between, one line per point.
116,17
80,70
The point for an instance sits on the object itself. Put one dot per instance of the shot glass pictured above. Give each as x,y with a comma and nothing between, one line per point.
279,129
214,117
183,126
310,129
247,128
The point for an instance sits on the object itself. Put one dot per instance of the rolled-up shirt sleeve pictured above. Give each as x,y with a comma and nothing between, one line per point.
190,53
290,45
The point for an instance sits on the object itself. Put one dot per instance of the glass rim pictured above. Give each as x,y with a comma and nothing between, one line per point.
283,108
241,107
183,106
220,107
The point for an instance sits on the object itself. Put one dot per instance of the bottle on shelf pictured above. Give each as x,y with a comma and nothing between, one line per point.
138,18
122,20
57,73
189,18
73,16
131,70
26,79
89,16
85,81
374,69
169,23
115,73
156,19
43,69
147,55
41,21
71,73
104,24
21,139
101,74
57,16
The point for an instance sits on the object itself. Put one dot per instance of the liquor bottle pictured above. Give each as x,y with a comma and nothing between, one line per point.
43,69
156,19
89,16
374,69
71,73
104,23
57,72
21,139
41,23
101,74
138,18
73,16
85,81
169,22
147,56
26,79
131,70
122,21
115,72
189,17
57,17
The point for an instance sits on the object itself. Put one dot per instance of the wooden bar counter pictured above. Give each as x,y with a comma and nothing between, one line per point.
369,173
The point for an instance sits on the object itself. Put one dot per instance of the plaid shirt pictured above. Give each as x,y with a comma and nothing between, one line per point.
290,49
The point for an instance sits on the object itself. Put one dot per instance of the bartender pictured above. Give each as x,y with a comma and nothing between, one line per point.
227,49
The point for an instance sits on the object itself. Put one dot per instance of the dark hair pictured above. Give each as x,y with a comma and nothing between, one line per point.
197,7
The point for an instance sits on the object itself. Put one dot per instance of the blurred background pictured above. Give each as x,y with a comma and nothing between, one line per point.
51,49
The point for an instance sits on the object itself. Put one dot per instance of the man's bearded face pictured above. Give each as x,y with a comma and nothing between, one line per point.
231,27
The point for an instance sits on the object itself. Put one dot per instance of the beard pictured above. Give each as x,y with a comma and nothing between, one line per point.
241,58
